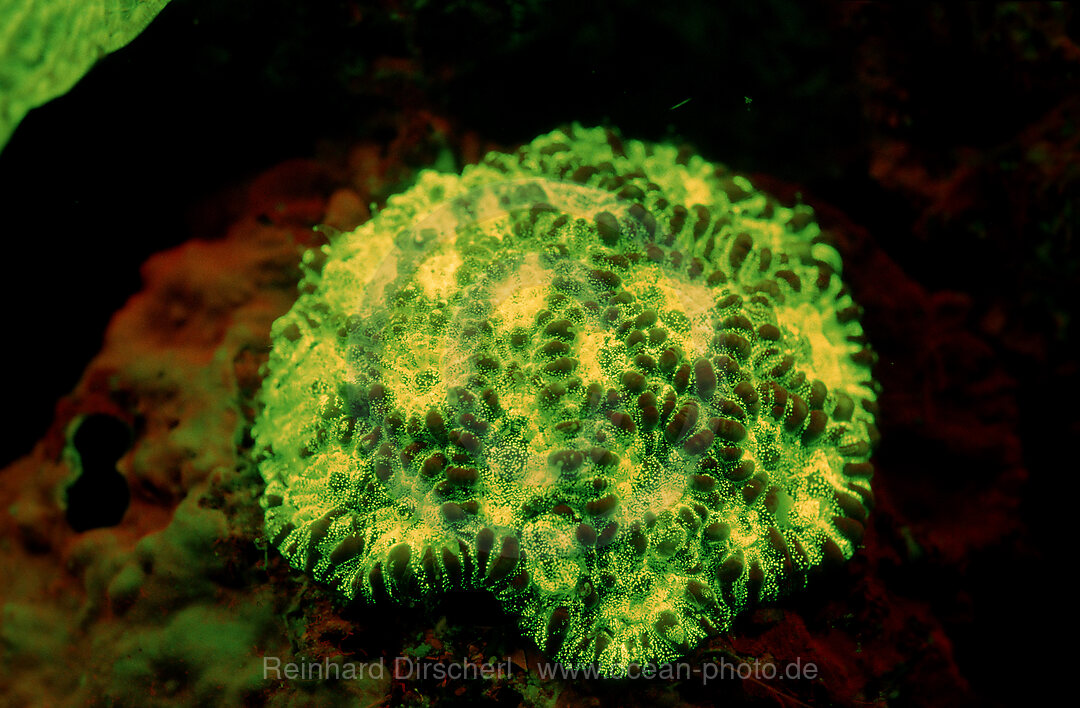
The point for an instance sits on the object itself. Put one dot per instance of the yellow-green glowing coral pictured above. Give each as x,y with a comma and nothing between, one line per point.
47,45
608,380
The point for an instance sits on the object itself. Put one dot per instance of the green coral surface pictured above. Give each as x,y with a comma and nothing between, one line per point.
47,45
608,380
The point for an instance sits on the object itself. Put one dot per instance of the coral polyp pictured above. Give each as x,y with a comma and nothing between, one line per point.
608,380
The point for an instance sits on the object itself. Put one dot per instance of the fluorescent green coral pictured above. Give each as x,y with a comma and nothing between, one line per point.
47,45
606,379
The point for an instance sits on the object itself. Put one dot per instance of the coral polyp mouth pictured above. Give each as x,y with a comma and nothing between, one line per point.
608,380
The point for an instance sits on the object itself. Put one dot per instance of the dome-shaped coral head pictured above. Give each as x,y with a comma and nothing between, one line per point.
606,379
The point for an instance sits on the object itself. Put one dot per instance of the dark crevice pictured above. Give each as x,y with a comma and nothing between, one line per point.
100,495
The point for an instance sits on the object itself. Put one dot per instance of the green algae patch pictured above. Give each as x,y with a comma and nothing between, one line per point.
31,633
202,655
608,380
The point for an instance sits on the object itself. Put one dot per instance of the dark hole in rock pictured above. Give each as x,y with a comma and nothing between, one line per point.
100,496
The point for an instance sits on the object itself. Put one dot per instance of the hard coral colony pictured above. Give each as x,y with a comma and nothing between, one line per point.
607,380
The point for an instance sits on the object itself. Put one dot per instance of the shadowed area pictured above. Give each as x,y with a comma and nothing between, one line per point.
100,495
